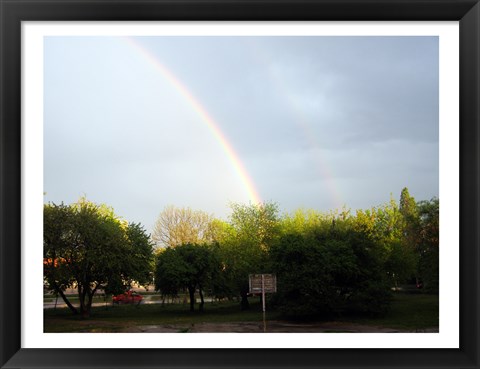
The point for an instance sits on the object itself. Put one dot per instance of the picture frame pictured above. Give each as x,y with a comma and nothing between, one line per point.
12,12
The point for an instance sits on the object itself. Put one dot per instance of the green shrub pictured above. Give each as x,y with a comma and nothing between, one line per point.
326,276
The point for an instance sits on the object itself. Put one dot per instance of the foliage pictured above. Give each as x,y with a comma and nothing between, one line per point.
88,247
176,226
254,229
329,271
393,227
401,263
428,245
255,223
327,264
190,266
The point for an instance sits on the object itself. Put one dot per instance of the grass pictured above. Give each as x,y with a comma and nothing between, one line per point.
408,312
120,316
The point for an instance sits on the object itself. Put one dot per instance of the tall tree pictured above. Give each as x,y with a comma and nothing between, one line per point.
254,228
256,223
410,219
387,225
88,247
407,248
177,226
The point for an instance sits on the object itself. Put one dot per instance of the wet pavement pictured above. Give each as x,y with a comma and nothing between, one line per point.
271,327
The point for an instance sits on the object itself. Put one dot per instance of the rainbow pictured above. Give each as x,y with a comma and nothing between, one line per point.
304,125
210,123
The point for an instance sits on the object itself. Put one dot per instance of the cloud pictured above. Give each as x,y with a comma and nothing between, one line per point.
316,121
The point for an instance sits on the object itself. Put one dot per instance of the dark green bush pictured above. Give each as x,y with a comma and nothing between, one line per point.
328,276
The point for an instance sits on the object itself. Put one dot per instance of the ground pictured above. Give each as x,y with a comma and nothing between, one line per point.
275,326
408,313
271,327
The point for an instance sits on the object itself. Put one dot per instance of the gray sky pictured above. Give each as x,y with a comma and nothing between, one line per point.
316,122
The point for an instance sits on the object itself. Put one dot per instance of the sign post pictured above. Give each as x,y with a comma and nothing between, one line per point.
263,283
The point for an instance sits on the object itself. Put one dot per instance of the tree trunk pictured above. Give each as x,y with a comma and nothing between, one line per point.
191,291
64,298
245,305
89,302
202,302
81,297
86,299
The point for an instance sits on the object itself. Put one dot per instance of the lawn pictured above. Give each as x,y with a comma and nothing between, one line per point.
115,318
410,312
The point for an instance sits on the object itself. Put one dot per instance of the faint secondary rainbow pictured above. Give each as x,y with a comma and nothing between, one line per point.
303,123
227,147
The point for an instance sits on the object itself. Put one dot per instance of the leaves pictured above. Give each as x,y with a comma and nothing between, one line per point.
88,247
176,226
186,266
335,271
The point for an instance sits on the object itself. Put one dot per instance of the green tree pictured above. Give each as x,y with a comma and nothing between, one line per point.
388,223
169,271
255,223
332,269
254,229
408,206
189,266
392,227
428,246
401,263
410,219
219,231
411,235
304,221
88,247
59,225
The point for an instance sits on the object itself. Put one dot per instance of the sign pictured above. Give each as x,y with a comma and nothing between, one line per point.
262,283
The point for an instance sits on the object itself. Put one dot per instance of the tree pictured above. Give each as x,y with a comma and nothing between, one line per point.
88,247
254,228
410,219
176,226
401,263
428,245
189,266
58,228
330,270
411,234
255,223
140,252
392,227
304,221
219,231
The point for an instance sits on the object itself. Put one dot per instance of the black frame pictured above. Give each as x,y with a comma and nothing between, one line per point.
13,12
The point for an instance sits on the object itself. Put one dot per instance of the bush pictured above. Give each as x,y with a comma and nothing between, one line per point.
322,276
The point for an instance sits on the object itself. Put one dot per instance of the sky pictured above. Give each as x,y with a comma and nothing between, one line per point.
313,122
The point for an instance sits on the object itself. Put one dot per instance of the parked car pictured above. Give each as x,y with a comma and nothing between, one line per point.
129,297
